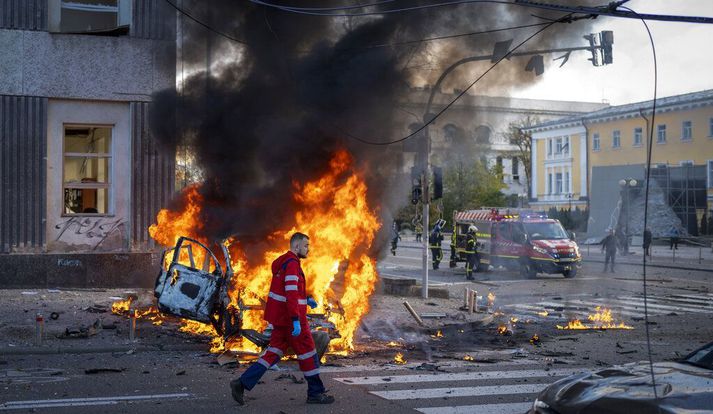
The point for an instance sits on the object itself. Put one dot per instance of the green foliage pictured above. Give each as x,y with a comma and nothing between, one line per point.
471,185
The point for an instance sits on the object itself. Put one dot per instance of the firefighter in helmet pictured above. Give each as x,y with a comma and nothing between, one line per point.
471,252
434,242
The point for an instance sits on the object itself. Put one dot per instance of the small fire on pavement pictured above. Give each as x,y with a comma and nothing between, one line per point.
438,335
504,330
535,340
399,359
468,358
601,319
394,344
491,299
543,313
124,308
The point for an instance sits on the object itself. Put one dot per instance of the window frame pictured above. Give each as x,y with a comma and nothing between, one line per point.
638,131
684,129
596,142
709,173
616,138
560,183
661,128
124,15
108,185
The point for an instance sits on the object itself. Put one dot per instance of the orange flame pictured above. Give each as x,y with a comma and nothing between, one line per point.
491,299
468,358
399,359
602,319
121,306
335,213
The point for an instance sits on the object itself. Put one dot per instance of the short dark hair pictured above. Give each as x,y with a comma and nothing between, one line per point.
297,237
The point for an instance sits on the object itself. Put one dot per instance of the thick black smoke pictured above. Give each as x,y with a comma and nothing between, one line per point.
274,109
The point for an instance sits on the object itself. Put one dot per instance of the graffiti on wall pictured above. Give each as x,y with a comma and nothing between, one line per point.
92,231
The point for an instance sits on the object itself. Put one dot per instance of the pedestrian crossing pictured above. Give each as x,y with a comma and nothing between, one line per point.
626,306
510,391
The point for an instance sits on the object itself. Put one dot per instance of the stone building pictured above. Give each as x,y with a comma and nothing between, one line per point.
80,176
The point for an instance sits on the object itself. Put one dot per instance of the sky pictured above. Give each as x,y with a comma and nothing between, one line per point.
684,55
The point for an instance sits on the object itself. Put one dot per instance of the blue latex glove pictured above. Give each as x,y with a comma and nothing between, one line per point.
296,328
311,302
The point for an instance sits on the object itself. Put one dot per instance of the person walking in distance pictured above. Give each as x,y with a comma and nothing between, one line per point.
675,234
286,310
647,242
395,237
609,249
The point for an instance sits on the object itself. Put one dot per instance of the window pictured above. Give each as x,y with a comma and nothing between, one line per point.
661,134
503,230
709,170
566,183
710,127
549,146
87,169
686,163
549,183
686,131
616,139
638,132
89,16
558,183
515,169
558,146
595,142
565,146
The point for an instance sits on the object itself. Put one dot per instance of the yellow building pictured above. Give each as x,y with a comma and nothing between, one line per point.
566,151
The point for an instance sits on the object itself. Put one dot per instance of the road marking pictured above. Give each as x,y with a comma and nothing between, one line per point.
460,376
654,302
511,408
78,402
429,393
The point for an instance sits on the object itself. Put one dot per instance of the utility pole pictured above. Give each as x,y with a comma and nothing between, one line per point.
601,48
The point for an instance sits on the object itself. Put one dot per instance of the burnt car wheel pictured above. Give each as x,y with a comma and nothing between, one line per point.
569,274
527,270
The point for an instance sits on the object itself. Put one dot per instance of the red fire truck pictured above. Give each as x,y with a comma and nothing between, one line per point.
518,239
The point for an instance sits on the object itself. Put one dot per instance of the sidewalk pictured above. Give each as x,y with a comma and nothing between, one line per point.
685,257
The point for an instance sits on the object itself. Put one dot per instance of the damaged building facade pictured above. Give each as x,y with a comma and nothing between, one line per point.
597,161
81,178
477,125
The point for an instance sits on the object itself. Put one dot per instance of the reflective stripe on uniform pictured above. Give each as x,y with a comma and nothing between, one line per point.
263,363
301,301
307,355
311,372
290,287
291,278
275,351
277,297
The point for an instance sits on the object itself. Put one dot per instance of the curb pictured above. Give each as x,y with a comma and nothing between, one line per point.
27,350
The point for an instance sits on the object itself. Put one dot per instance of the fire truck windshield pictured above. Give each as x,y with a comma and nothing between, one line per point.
545,231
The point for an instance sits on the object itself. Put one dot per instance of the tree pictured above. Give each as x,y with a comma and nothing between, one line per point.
471,185
523,140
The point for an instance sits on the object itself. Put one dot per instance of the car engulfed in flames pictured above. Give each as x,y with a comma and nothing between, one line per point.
227,295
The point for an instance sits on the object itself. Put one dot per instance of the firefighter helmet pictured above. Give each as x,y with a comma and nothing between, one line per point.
472,229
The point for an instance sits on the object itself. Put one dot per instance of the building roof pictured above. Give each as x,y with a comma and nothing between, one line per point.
632,110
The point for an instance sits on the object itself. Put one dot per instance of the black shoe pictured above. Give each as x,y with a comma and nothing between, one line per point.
470,278
237,389
321,398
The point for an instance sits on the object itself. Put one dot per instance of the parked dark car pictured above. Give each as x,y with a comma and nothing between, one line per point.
684,386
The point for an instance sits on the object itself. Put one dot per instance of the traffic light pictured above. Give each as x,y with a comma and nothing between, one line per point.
607,42
437,183
416,188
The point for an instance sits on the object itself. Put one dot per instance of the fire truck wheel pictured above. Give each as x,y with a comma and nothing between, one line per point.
570,273
527,270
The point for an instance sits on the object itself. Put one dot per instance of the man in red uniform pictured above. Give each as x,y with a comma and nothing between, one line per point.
286,310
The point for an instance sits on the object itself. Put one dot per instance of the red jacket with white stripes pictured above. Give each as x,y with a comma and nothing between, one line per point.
287,300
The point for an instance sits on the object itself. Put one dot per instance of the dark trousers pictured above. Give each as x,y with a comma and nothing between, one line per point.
674,243
418,237
437,255
453,261
609,256
647,249
471,264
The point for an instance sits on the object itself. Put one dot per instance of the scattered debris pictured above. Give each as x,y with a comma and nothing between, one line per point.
433,315
96,309
413,313
627,352
181,372
535,340
428,367
291,377
91,371
54,316
227,358
82,331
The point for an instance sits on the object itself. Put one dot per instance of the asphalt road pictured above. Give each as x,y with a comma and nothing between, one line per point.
680,307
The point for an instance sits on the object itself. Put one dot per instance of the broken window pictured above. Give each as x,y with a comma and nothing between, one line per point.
111,17
87,169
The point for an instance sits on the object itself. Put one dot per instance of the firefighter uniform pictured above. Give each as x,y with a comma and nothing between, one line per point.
471,255
434,242
287,302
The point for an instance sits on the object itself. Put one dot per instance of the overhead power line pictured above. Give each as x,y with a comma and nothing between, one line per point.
608,10
208,27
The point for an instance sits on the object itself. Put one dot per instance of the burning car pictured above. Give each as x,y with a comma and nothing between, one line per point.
682,386
195,285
